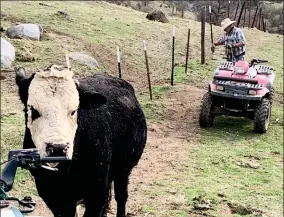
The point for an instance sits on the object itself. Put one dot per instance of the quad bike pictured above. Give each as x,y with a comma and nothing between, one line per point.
239,89
26,159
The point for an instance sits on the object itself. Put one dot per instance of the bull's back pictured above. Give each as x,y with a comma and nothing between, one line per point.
120,123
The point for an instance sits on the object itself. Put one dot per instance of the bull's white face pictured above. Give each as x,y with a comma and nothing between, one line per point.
53,100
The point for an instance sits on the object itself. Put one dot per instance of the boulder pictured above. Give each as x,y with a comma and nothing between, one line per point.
7,53
158,15
83,59
27,30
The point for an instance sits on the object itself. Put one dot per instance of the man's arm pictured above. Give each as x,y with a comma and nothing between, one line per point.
240,38
221,41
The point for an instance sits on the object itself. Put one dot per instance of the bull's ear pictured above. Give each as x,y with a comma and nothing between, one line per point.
23,84
20,75
89,98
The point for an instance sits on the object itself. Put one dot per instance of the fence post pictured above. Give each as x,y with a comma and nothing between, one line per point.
187,50
118,62
244,21
253,22
249,13
263,23
241,12
202,37
228,9
259,19
237,10
147,67
173,57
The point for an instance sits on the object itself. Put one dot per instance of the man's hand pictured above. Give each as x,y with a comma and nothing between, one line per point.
231,46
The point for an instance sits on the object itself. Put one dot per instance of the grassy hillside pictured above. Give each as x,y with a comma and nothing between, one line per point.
212,164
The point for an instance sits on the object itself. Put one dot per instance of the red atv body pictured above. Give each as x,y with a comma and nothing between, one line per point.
240,89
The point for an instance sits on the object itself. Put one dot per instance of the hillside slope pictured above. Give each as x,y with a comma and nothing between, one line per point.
181,162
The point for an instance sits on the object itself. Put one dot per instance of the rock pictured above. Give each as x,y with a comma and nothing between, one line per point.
253,165
28,30
84,59
43,4
64,14
7,53
158,15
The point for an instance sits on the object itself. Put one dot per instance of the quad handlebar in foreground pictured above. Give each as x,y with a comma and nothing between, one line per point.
26,159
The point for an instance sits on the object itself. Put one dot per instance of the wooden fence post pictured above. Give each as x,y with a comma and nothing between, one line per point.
259,18
228,9
263,24
244,22
173,57
237,10
253,22
203,37
241,12
249,13
118,62
147,67
187,50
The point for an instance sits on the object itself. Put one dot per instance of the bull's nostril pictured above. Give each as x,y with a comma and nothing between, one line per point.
56,149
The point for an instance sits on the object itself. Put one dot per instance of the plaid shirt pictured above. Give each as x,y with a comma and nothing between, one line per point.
234,37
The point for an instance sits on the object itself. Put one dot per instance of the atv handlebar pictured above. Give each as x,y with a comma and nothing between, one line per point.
26,159
253,61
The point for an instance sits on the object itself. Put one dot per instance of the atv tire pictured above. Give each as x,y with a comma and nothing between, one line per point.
206,117
271,95
262,116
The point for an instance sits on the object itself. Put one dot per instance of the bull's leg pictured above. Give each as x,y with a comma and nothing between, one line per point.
120,189
56,199
107,207
96,193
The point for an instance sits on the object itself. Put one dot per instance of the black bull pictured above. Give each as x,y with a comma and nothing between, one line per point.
108,143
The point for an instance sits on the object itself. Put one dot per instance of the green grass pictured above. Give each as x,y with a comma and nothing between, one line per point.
215,170
154,109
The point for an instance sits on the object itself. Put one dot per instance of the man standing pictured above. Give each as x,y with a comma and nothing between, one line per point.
233,39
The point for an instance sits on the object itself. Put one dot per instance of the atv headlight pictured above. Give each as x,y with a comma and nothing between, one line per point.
252,92
218,87
240,70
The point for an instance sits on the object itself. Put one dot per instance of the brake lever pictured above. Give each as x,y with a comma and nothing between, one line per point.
49,168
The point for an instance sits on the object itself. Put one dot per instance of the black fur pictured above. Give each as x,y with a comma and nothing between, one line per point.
109,142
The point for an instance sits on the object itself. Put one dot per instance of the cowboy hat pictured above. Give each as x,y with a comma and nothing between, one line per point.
226,22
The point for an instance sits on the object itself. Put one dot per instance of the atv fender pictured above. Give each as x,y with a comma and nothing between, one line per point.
266,80
211,86
263,92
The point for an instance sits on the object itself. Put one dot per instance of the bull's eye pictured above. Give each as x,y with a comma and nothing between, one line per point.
35,113
73,112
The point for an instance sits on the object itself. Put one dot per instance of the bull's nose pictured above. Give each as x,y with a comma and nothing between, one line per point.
55,150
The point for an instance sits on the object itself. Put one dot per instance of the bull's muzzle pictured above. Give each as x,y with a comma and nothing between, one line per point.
56,150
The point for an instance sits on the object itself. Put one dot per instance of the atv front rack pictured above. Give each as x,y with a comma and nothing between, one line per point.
250,81
247,85
261,69
226,66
